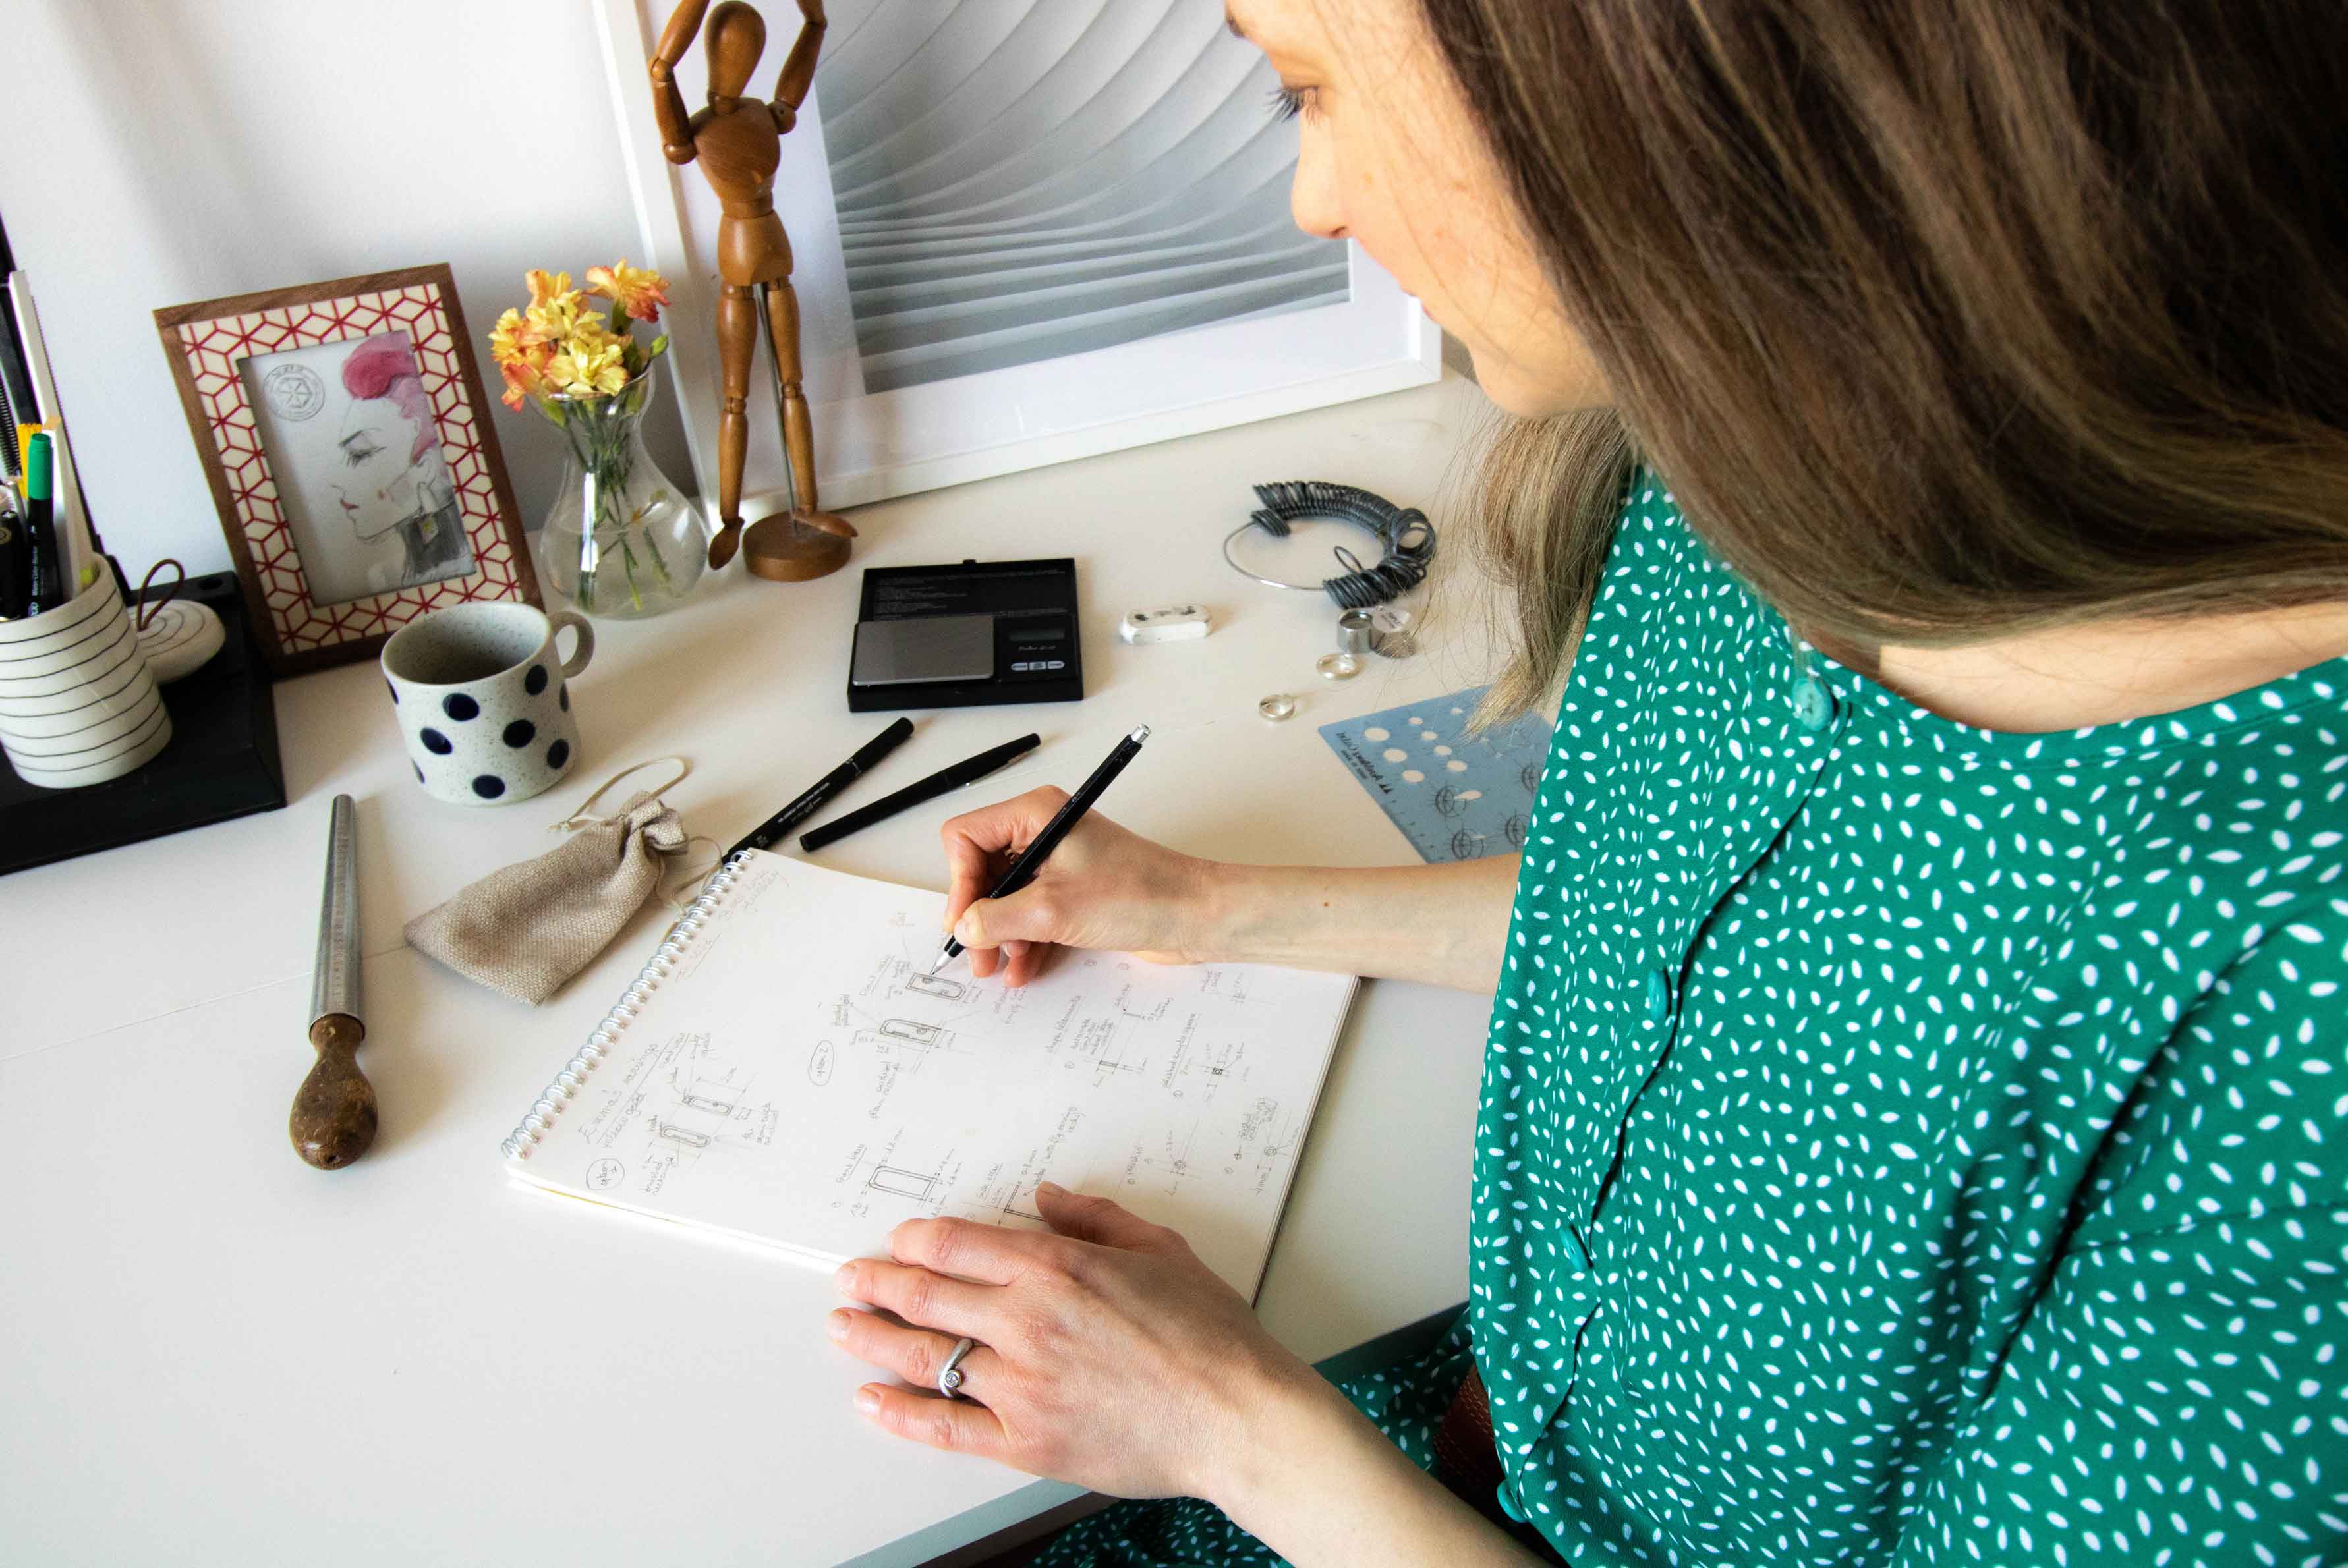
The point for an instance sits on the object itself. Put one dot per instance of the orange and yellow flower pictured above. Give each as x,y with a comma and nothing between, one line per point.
521,351
639,291
585,367
523,381
514,338
559,346
545,286
555,307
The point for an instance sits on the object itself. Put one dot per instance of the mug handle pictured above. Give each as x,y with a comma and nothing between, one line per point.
582,650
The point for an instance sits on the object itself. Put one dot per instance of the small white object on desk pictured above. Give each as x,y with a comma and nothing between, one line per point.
1168,623
179,639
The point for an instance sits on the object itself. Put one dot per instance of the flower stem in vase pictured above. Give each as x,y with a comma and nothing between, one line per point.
652,549
590,552
628,561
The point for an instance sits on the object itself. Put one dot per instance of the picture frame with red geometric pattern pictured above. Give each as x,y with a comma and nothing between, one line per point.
343,429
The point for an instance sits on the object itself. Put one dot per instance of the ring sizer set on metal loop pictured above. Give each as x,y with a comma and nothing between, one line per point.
1407,537
1367,622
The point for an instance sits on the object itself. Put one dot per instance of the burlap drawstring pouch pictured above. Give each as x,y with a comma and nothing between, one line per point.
526,929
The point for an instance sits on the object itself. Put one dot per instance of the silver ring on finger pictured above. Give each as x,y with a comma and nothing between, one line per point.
950,1377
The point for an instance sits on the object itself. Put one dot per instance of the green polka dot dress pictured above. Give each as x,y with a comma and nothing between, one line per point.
1901,1144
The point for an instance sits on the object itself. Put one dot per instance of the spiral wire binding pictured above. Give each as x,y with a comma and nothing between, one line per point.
1408,535
658,967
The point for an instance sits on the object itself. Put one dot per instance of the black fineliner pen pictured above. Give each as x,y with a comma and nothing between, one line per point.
967,771
1023,870
764,835
15,560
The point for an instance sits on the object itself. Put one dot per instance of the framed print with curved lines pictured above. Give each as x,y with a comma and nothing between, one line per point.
1024,231
343,428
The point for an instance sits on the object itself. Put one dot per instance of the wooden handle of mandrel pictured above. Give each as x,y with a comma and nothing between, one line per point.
333,1110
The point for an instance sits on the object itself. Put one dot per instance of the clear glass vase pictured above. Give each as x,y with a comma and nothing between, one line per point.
619,541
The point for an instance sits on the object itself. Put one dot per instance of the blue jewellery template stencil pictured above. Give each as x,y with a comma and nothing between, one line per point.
1456,796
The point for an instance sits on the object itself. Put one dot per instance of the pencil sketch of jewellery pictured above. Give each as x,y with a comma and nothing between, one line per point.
897,1174
900,1183
891,1054
1268,1136
1230,984
903,1039
1163,1163
1147,1012
677,1140
693,1100
1256,1149
901,980
717,1099
896,1047
938,985
1204,1070
1107,1047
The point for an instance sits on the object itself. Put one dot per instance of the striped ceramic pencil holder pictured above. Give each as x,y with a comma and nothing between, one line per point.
77,705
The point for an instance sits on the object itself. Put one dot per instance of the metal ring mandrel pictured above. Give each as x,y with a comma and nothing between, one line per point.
1405,532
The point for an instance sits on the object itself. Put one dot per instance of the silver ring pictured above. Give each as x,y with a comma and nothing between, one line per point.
951,1376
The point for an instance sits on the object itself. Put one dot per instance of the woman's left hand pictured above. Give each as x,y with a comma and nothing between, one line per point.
1107,1355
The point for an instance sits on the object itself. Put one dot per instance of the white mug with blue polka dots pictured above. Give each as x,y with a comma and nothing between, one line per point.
483,702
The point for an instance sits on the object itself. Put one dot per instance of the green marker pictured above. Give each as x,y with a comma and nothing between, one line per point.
49,589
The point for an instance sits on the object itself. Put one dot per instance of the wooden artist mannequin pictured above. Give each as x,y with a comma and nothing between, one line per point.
737,141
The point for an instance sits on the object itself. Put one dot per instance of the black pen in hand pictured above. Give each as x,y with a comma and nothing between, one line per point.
1023,870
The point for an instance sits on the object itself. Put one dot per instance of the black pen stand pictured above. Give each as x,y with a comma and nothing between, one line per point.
222,761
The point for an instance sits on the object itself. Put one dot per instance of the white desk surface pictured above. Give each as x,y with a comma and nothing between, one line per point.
212,1353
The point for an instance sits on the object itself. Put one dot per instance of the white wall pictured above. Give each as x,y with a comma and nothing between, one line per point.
169,150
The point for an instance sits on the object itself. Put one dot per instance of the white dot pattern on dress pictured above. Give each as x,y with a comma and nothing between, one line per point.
1901,1144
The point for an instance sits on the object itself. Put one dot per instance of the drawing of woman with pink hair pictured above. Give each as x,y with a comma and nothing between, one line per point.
391,475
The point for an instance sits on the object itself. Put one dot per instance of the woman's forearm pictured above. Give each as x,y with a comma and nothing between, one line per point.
1321,1485
1444,924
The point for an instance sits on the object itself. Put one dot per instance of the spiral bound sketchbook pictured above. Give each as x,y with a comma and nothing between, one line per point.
783,1071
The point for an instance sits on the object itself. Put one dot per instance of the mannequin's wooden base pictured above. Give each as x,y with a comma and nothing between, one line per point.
782,550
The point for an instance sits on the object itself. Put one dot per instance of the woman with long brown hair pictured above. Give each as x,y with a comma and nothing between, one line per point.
1915,1097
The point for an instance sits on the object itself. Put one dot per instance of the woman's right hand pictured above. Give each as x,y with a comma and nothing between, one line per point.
1103,887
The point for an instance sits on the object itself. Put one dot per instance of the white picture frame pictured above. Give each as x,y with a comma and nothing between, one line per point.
873,446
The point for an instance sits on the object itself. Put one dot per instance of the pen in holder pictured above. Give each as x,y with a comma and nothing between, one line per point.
77,704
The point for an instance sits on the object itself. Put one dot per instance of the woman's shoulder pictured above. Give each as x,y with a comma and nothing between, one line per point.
2234,1118
1663,597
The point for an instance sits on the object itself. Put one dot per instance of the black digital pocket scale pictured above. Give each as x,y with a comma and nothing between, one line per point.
966,636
